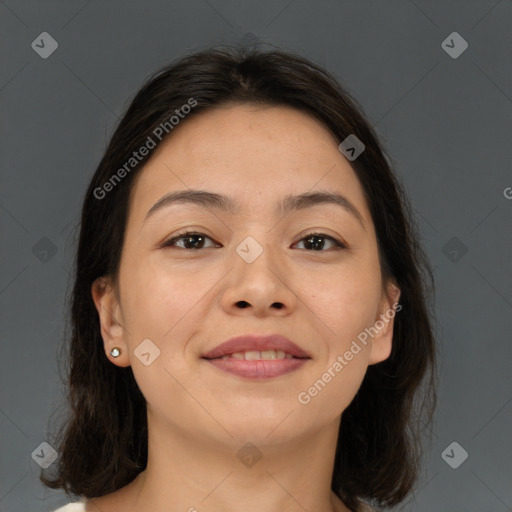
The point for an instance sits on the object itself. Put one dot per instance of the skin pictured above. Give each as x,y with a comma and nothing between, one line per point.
187,301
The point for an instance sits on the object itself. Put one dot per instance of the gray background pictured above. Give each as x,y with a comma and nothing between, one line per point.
447,124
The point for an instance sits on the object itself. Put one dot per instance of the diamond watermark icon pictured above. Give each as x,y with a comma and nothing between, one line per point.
454,455
248,249
44,45
44,249
454,249
454,45
351,147
44,455
249,455
146,352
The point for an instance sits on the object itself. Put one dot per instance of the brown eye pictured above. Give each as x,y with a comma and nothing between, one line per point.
317,242
190,240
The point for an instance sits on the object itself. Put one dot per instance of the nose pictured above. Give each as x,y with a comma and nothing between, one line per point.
260,288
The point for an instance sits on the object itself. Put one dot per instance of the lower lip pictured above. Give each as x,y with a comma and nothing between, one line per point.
258,369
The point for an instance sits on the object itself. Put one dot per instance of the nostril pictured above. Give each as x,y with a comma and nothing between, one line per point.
245,304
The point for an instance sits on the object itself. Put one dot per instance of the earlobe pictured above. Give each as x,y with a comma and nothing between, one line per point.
111,329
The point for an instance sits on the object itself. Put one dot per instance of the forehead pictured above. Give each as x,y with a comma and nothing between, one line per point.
251,152
228,131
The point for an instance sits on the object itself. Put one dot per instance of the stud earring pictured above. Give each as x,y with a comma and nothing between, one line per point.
115,352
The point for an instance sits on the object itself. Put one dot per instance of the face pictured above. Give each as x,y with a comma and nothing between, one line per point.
307,270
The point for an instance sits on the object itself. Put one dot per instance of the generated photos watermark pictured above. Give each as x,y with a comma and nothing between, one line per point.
158,133
304,397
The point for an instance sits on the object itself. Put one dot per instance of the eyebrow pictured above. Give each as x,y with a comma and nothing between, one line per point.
228,205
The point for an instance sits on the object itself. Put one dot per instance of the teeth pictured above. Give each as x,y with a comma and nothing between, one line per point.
268,354
253,355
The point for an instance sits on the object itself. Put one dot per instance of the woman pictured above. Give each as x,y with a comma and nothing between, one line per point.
250,327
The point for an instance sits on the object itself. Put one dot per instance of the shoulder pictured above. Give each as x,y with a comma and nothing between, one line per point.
77,506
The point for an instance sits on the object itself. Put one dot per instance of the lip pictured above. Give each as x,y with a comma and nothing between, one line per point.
255,342
257,369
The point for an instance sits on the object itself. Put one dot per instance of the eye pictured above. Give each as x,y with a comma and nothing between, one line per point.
191,240
316,241
194,240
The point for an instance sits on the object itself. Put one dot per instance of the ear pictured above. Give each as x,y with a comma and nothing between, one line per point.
111,327
382,331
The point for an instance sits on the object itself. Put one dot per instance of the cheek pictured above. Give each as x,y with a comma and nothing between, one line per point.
332,392
156,297
160,306
165,305
343,305
343,301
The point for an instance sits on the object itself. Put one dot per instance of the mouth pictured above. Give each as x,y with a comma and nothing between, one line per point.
257,357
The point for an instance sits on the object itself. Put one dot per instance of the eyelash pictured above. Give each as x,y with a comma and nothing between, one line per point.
338,244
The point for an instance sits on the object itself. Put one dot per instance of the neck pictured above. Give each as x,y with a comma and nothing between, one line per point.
188,473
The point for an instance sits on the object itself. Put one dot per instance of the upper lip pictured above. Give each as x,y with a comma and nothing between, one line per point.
256,342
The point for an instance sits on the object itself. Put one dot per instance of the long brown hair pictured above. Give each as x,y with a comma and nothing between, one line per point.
103,442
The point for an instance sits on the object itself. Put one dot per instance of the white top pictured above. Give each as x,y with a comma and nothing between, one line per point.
77,506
